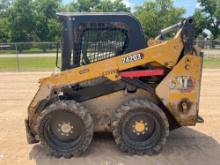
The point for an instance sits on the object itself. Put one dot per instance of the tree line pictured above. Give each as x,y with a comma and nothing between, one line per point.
36,20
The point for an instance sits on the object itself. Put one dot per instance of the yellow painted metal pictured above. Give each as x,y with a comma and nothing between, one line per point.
166,54
179,91
152,42
139,126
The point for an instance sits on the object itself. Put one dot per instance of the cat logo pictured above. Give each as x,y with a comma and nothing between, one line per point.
182,83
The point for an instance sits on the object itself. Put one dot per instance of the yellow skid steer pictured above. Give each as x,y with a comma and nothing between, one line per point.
111,80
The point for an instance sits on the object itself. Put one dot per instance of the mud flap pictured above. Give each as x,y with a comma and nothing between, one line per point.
30,136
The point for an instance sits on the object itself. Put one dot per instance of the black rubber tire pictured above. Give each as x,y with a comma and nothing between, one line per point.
150,146
55,148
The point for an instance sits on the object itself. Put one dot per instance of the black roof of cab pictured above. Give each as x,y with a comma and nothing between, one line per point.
71,19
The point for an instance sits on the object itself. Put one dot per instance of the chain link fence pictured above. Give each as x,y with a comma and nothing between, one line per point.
211,50
208,44
28,56
41,56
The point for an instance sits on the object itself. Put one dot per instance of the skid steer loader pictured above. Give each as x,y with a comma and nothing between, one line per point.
111,80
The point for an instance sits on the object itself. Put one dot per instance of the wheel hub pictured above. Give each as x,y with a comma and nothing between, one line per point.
139,127
65,129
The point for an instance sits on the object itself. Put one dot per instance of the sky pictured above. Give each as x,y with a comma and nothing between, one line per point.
189,5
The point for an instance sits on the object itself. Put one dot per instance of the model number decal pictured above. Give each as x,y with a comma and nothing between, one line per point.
132,58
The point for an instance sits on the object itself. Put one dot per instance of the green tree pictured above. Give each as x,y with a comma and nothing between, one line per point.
21,18
64,7
111,6
4,25
200,24
157,14
47,25
4,4
99,6
4,34
209,15
84,5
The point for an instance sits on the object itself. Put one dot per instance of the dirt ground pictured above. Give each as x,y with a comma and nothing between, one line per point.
188,145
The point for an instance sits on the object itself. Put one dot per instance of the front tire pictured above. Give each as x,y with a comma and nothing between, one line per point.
140,127
65,128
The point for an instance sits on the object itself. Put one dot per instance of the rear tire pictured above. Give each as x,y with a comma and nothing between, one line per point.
65,128
140,127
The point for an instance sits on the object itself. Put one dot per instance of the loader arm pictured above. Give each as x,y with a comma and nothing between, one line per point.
166,54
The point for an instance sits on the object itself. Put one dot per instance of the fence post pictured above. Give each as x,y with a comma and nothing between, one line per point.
17,58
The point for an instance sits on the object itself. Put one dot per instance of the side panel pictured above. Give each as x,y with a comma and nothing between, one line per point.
180,90
102,108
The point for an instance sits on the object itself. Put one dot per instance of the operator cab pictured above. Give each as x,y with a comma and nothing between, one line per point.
92,37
